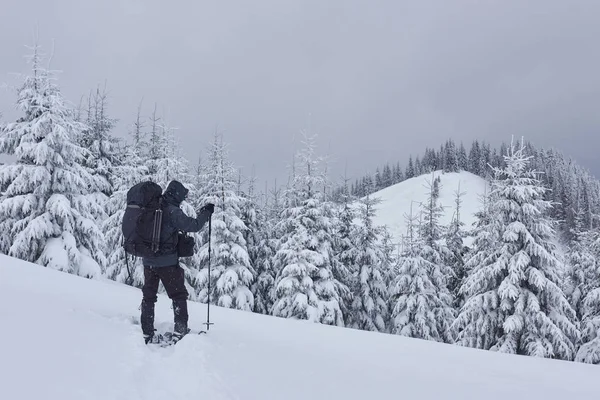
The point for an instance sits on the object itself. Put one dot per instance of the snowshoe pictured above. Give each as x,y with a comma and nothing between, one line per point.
155,338
174,337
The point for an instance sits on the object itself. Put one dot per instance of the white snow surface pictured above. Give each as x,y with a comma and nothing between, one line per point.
396,200
67,337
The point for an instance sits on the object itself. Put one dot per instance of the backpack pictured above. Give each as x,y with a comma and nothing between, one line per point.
142,220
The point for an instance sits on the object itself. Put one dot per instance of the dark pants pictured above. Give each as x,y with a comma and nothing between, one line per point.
174,282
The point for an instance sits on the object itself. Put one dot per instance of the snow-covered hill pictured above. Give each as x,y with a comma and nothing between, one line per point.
65,337
396,200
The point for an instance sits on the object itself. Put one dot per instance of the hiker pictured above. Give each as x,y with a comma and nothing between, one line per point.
165,267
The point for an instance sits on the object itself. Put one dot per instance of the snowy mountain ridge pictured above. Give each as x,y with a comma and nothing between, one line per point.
74,338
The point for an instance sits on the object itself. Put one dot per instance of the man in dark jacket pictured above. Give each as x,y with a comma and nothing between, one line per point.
165,267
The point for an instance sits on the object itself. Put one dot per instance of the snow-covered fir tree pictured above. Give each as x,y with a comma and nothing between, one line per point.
432,233
398,174
583,288
264,286
483,238
265,273
418,166
378,180
391,252
45,211
420,302
455,243
387,176
258,237
474,158
463,159
370,307
485,160
232,275
389,266
582,264
589,352
451,157
164,159
305,287
514,301
345,249
410,169
101,146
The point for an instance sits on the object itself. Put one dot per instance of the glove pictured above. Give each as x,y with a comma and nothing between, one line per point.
209,208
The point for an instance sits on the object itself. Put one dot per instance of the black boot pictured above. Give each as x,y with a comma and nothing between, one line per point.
180,314
147,318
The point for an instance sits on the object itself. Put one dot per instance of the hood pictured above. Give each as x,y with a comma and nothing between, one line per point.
175,193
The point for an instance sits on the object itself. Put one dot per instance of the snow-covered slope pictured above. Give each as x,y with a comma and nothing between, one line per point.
65,337
396,200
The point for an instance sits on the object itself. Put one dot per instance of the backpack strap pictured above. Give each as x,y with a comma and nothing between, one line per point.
156,229
129,279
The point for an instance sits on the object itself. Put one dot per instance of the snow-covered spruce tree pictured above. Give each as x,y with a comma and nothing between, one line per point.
451,157
583,285
232,274
589,352
251,216
156,146
390,254
378,180
102,149
264,286
128,171
387,176
265,273
164,160
259,245
305,287
454,241
418,167
474,158
370,307
514,302
434,250
345,249
463,159
484,238
398,174
419,299
46,206
5,234
582,264
264,252
410,169
432,233
389,267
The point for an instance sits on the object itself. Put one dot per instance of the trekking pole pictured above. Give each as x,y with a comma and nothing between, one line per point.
208,323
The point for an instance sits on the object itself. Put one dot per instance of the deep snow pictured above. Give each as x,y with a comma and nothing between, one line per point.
66,337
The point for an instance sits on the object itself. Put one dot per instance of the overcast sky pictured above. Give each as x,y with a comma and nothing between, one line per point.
379,79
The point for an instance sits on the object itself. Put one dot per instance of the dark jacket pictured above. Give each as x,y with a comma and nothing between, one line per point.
174,220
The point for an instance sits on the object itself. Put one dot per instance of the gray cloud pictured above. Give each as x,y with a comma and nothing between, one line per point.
379,79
